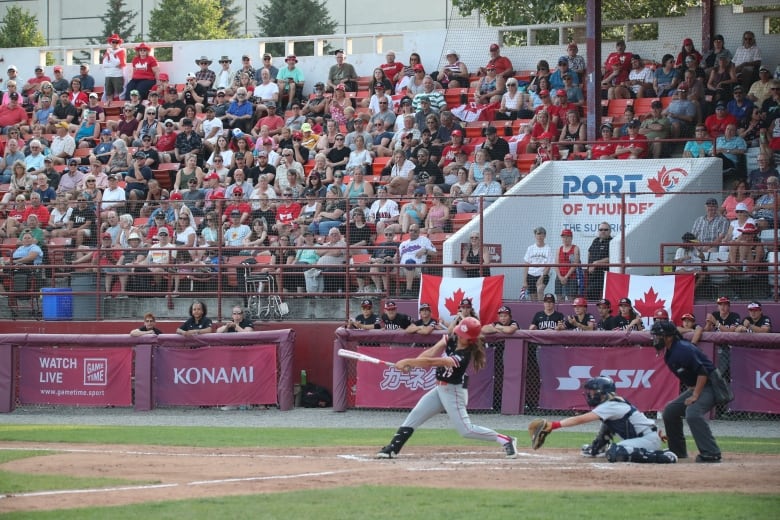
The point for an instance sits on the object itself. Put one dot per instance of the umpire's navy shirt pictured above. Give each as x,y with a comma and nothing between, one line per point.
687,362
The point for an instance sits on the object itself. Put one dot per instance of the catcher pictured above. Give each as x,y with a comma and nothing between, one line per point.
641,441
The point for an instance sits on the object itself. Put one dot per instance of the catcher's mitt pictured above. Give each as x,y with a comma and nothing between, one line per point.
539,429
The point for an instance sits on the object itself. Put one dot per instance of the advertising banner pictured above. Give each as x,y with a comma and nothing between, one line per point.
75,376
212,376
640,377
380,386
755,379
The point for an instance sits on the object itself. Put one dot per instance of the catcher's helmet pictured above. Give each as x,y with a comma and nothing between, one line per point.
663,328
469,328
660,314
580,302
603,385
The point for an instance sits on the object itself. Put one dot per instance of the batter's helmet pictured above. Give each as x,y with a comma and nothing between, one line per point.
469,328
580,302
660,314
603,385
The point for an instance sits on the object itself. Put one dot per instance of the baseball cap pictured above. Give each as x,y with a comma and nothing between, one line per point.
687,41
624,301
314,175
752,306
379,85
763,69
262,153
720,105
134,236
139,155
567,233
106,235
366,304
186,121
134,93
406,101
235,213
504,310
190,75
748,229
58,68
168,122
211,176
563,60
741,207
688,316
549,297
238,191
14,95
176,196
456,132
465,302
603,303
425,306
493,46
164,76
560,92
13,67
634,123
93,95
105,131
418,67
636,57
270,104
711,202
48,159
723,299
390,305
737,88
305,127
690,58
544,93
162,231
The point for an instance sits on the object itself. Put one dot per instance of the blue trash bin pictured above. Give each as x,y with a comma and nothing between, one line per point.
57,303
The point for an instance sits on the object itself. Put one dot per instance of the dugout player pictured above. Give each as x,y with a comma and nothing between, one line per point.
504,325
628,318
640,440
391,319
581,319
148,327
451,356
239,322
465,310
606,319
426,324
549,318
757,321
688,324
198,322
366,320
692,368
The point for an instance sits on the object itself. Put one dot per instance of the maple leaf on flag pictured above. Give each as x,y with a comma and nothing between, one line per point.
453,304
649,304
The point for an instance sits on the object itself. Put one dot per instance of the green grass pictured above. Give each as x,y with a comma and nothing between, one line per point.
309,437
369,502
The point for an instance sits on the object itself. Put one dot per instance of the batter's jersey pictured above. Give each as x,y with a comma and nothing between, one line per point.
454,375
613,412
545,322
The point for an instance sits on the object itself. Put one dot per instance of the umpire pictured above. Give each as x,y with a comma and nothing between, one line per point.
693,369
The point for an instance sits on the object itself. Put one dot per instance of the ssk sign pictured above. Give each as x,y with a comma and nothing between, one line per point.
640,376
213,376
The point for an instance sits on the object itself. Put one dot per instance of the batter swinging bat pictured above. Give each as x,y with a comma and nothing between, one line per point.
362,357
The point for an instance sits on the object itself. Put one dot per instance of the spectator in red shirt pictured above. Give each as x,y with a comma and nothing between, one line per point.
237,203
716,123
602,148
273,121
392,68
34,84
634,145
145,72
286,213
37,209
501,63
12,114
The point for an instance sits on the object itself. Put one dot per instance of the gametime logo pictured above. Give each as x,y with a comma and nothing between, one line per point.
624,378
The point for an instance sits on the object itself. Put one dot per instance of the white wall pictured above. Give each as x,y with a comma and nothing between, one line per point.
552,197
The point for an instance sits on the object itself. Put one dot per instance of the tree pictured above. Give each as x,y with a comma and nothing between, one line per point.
294,18
520,12
20,29
230,19
116,20
174,20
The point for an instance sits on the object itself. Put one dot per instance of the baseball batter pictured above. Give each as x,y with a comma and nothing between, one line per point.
451,357
641,442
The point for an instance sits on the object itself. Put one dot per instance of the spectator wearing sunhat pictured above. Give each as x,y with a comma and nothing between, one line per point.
223,78
722,320
145,72
746,249
205,77
366,320
290,80
114,62
453,73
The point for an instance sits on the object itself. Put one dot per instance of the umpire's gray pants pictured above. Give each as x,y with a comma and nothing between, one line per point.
695,415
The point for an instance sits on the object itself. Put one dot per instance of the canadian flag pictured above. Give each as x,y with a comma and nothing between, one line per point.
445,294
649,293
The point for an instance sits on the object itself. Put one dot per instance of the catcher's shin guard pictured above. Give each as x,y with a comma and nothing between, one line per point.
652,457
617,453
399,439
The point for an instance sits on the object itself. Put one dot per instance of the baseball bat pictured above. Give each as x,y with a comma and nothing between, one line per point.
350,354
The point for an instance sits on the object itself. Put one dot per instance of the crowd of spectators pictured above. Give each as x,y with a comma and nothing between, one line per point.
258,167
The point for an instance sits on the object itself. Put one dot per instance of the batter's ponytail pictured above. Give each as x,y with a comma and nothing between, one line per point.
477,348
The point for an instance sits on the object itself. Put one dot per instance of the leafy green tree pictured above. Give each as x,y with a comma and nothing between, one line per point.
520,12
294,18
174,20
20,29
230,19
117,20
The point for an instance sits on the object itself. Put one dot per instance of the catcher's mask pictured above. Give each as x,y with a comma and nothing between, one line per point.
660,330
597,390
